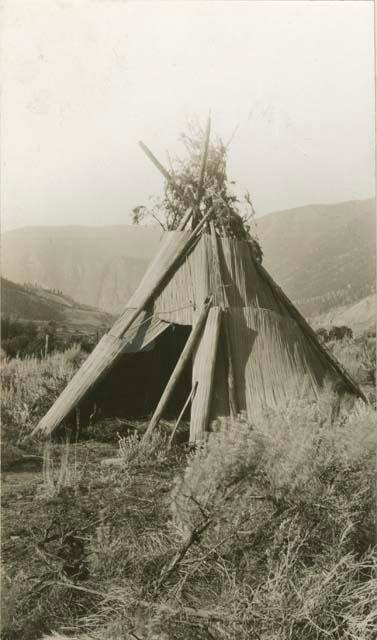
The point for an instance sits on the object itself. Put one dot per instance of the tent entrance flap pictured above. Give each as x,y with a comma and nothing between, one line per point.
134,386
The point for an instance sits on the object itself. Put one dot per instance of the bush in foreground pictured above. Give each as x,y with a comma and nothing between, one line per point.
30,386
358,356
271,534
293,522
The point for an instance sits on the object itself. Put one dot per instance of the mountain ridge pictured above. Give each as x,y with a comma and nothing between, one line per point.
41,306
321,255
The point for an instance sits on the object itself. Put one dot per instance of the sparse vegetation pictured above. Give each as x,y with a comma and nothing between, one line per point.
22,338
62,474
358,356
29,386
267,531
136,453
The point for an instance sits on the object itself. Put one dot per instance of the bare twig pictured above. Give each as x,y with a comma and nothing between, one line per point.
206,555
202,510
188,611
191,539
158,220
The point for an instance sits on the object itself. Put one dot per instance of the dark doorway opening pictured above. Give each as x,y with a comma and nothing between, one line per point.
134,386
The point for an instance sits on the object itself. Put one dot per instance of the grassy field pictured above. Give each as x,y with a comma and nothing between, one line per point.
266,532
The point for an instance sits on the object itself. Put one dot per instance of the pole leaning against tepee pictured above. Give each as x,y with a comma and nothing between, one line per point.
203,375
156,282
181,364
221,295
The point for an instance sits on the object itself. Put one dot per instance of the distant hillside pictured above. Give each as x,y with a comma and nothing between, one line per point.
39,305
99,266
322,255
360,317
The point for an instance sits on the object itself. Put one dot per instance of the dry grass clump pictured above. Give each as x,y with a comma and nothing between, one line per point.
293,522
59,471
266,531
88,532
358,356
29,387
135,452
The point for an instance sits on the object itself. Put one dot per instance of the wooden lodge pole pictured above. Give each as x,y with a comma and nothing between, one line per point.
185,219
188,400
179,191
233,405
161,168
201,224
171,181
203,373
147,298
182,361
203,163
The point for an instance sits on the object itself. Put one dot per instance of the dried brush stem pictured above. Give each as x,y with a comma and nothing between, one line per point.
206,614
193,537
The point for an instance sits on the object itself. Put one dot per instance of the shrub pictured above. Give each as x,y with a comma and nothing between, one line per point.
290,500
30,386
135,453
358,356
28,339
271,534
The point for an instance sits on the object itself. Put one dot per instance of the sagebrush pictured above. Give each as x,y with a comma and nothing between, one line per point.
268,530
29,387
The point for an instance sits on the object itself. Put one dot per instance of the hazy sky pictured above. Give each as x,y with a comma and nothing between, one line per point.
84,80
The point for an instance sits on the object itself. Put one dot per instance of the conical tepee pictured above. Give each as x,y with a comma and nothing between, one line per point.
248,346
